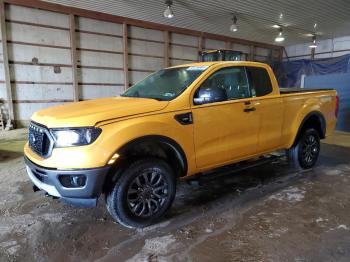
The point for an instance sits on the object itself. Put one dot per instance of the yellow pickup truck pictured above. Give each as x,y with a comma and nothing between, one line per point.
175,123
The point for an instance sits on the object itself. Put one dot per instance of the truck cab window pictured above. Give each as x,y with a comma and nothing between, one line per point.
259,81
225,84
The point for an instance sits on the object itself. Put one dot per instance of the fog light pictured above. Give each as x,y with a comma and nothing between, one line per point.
72,181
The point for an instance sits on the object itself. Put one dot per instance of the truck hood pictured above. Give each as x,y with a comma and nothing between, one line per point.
88,113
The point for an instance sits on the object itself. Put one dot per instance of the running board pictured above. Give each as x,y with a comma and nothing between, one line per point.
233,168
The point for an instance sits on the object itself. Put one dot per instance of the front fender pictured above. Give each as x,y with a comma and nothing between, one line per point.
118,134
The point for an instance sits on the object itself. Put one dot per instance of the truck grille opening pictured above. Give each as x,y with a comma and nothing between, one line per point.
39,140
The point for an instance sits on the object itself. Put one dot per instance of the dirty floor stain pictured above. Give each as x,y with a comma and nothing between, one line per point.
266,213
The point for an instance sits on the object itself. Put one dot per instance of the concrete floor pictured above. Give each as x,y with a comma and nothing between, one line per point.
266,213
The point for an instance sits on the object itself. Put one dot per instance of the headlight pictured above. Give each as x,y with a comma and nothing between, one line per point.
75,136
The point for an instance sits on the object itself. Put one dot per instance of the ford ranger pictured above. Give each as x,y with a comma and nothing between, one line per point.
175,123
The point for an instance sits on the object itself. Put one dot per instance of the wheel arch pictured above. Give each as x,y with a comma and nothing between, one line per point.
313,119
157,146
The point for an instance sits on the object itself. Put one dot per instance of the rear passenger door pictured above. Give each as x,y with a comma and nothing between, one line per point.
269,108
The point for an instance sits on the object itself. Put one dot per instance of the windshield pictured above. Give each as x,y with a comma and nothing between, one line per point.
165,84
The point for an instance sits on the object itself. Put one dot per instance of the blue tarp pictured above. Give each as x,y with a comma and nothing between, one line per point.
289,73
340,82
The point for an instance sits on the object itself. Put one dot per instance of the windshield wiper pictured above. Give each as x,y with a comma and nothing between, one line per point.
155,98
146,97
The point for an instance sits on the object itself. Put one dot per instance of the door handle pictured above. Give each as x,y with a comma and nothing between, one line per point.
250,109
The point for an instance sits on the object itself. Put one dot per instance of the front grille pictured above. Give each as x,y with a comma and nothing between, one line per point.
39,140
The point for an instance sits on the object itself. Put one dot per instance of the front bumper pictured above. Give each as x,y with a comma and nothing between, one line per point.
47,179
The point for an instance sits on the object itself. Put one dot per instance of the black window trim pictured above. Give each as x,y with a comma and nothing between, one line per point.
249,79
234,99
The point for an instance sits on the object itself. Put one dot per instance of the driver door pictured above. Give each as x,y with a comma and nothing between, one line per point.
225,126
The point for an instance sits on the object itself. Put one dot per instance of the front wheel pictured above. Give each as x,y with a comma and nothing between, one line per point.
143,193
305,152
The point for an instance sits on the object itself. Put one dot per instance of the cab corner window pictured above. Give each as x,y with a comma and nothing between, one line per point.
259,81
225,84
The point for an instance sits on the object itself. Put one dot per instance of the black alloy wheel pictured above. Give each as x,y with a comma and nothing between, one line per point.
147,193
143,192
304,153
310,149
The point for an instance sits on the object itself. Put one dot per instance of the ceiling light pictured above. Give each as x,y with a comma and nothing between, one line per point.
276,26
313,44
281,16
234,26
168,13
279,37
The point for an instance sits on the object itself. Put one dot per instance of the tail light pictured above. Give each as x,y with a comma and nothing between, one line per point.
336,106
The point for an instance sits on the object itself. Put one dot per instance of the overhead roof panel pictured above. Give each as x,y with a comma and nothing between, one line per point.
255,17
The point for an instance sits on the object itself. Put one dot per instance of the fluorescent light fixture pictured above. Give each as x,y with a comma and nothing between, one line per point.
313,44
279,37
234,26
168,13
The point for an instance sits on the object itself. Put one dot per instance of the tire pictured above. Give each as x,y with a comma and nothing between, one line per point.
305,152
142,194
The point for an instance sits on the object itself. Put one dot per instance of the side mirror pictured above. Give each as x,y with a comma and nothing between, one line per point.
209,95
199,100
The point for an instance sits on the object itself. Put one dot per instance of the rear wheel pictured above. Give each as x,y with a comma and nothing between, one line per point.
305,152
143,193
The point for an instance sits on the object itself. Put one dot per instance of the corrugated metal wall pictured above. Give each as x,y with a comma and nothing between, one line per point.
40,57
326,48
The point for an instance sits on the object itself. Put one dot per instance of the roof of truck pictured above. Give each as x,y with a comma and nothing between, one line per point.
237,63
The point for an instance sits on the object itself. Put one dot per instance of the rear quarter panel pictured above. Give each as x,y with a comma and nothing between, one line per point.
298,105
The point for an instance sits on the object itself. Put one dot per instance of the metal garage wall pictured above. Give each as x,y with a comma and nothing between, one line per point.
183,49
54,58
34,52
340,82
100,58
263,55
326,48
145,48
3,108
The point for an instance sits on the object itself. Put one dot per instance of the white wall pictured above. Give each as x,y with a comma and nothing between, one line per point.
325,48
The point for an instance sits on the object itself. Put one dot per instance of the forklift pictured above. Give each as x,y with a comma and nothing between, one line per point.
222,55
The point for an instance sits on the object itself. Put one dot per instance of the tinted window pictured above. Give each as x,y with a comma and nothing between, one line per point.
259,80
166,84
224,84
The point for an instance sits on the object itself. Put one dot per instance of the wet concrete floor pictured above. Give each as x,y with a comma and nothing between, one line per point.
266,213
